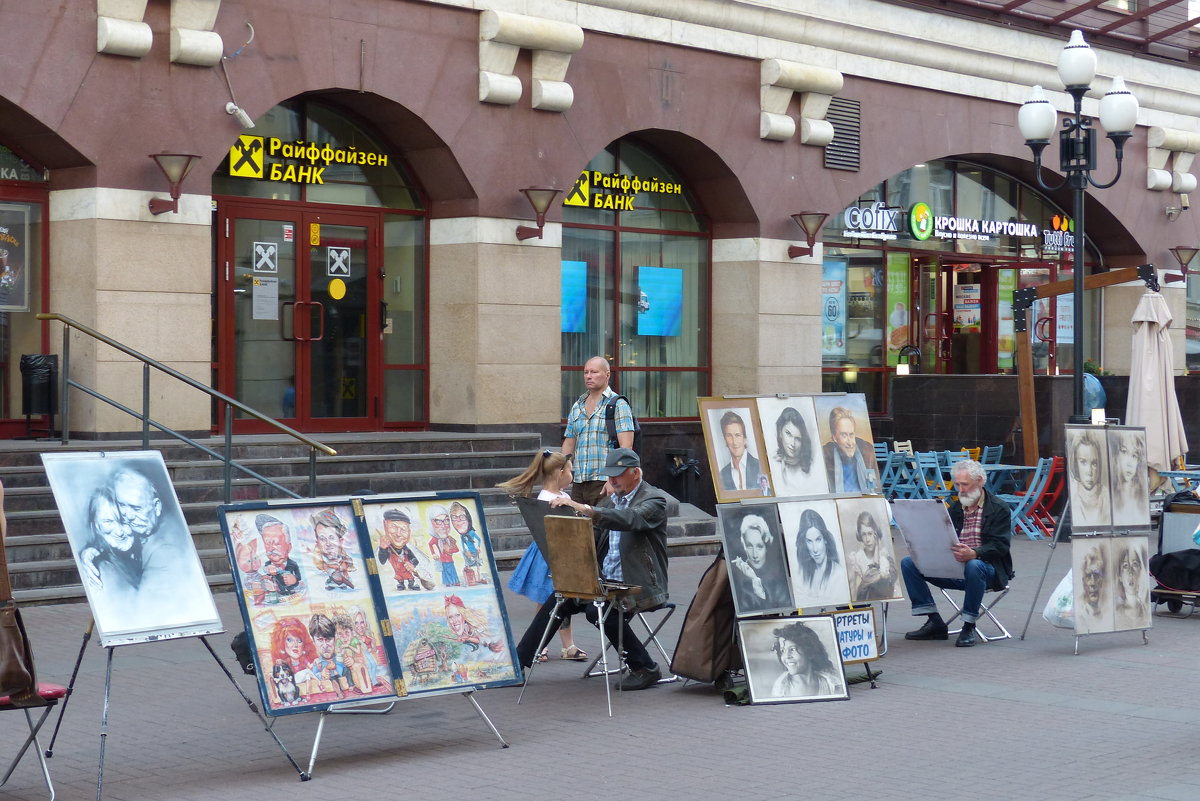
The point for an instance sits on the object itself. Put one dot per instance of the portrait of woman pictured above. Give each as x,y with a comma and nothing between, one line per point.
814,553
1132,592
1087,479
792,660
795,455
870,560
1128,478
757,564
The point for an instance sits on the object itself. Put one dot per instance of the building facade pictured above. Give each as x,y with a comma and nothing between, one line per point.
347,251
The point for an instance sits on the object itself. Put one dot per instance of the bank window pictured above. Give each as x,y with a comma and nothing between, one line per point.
855,319
636,280
1192,341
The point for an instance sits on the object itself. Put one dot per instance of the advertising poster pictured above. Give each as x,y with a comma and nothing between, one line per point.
897,306
574,297
833,309
14,249
1006,284
967,311
660,302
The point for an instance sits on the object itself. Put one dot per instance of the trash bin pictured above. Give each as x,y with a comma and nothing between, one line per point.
39,383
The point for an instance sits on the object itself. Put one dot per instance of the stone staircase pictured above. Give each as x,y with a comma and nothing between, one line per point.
43,570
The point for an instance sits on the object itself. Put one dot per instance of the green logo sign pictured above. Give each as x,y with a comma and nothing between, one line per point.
920,221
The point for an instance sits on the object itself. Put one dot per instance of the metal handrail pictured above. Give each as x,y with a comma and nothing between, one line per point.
147,421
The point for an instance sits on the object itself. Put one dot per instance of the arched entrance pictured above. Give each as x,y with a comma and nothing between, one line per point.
321,275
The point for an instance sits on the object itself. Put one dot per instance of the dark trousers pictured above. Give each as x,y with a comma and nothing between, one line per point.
615,625
589,492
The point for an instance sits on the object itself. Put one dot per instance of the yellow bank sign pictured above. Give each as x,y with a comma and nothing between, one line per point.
598,190
299,162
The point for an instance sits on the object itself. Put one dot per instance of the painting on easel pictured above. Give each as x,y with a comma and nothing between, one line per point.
135,555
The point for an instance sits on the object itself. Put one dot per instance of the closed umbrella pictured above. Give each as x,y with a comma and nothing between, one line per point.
1152,402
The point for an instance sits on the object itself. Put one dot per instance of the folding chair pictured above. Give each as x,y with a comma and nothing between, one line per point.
881,452
49,694
1022,504
929,470
651,637
903,446
1043,511
985,610
992,454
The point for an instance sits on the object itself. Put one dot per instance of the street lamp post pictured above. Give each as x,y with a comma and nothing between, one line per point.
1037,120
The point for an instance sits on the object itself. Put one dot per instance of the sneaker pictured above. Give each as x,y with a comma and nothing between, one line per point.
640,679
934,629
966,637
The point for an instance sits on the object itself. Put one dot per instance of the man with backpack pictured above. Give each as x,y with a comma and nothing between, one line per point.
588,436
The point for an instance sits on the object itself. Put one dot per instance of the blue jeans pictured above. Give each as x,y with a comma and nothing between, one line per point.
977,576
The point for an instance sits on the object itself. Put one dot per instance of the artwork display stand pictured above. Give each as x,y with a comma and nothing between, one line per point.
365,708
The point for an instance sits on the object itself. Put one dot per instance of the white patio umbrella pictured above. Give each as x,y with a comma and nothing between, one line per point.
1152,402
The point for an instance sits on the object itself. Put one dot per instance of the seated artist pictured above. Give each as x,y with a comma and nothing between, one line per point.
984,527
631,530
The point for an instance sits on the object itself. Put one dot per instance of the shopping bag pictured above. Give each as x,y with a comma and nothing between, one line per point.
1060,610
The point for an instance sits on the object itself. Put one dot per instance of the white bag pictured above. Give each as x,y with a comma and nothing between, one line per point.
1060,610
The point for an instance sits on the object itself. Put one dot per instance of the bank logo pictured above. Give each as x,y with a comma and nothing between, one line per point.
246,157
920,221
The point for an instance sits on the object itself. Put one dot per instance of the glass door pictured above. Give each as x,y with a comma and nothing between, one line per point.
298,317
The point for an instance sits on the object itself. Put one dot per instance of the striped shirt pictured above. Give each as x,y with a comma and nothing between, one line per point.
591,434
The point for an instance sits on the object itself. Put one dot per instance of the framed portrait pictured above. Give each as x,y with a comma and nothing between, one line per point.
793,449
1087,479
792,659
871,565
132,547
1111,578
304,585
1131,590
847,447
813,544
754,556
441,592
14,257
734,452
1129,478
857,639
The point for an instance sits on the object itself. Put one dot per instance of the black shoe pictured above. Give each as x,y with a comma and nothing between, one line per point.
640,679
966,637
934,629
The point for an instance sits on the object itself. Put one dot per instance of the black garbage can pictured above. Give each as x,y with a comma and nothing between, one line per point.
39,383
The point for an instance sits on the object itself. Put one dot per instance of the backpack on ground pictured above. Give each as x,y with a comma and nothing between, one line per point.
610,420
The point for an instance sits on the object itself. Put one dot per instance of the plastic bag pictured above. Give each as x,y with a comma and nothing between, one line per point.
1060,610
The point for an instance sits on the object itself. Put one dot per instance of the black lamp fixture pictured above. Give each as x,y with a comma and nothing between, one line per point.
540,199
1037,120
175,166
908,357
1184,255
810,222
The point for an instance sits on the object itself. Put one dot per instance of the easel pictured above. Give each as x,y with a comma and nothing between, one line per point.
1058,533
87,635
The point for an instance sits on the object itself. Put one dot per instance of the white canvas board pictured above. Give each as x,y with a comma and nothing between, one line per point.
930,535
132,547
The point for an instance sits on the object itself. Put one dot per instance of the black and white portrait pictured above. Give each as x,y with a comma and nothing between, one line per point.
792,659
813,542
1131,591
871,564
734,452
1092,576
755,558
132,547
847,448
1087,479
1128,478
792,447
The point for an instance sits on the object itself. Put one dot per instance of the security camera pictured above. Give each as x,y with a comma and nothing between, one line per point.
243,118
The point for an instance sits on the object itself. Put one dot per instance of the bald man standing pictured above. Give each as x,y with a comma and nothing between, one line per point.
587,431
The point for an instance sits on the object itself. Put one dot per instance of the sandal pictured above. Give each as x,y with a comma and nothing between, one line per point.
574,654
544,656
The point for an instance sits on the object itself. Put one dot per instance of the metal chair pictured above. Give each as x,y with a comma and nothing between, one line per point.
1022,504
985,610
992,454
651,637
49,695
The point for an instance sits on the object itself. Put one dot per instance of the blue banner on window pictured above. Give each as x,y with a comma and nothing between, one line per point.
660,302
574,297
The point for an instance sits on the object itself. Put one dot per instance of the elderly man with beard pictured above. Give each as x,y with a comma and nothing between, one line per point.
984,527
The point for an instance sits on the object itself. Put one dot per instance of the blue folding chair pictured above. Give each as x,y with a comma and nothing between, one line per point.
1022,506
992,454
881,452
929,468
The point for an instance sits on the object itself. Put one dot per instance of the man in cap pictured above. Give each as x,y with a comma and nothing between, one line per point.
281,571
631,530
395,550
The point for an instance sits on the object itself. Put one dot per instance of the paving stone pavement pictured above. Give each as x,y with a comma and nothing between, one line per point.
1020,719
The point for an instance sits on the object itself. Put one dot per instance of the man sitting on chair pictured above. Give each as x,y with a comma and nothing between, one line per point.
984,527
631,529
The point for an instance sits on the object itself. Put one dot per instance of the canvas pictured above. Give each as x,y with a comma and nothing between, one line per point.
790,439
847,447
871,564
792,659
1087,479
731,430
813,544
135,555
755,558
1111,581
1129,478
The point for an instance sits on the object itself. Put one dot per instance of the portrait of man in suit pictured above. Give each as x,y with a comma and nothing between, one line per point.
742,471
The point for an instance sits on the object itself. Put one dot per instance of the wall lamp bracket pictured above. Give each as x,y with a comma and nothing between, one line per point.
540,199
810,223
175,166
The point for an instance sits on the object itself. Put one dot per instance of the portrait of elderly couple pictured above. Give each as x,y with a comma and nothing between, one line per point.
789,447
1107,478
793,555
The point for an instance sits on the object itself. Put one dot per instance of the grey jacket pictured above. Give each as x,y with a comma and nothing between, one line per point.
643,527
